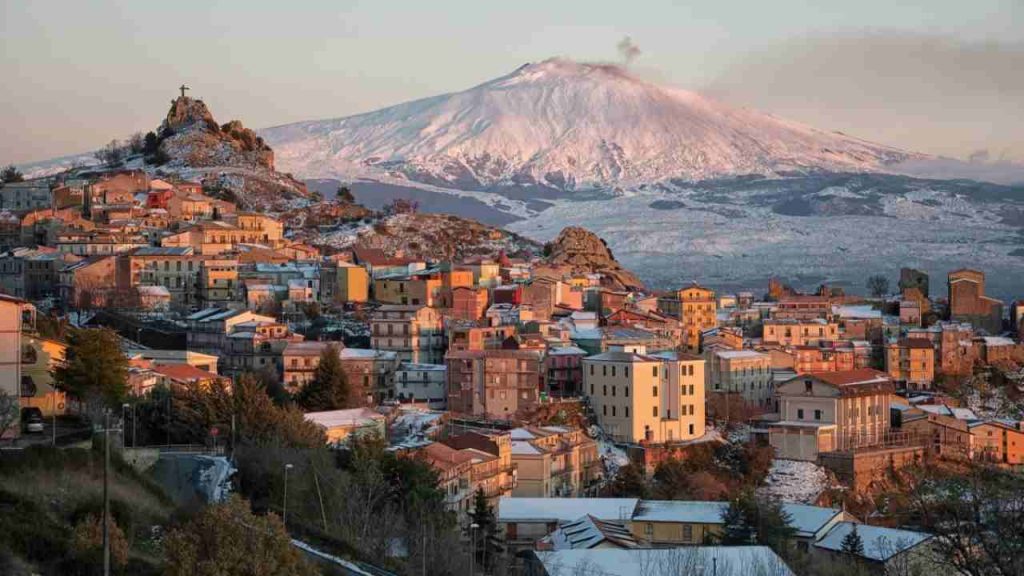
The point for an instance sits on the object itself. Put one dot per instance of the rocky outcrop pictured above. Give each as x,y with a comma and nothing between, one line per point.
231,160
433,237
578,250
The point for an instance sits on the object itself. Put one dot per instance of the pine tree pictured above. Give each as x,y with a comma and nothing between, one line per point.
329,388
94,367
737,529
486,545
852,543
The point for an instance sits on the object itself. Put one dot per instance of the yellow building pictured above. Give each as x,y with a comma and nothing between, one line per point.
642,398
353,283
415,291
696,308
910,362
39,357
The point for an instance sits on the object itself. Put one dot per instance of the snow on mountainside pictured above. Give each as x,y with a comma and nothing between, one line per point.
569,126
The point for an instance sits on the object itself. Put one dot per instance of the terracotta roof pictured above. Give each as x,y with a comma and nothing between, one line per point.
855,382
444,457
184,372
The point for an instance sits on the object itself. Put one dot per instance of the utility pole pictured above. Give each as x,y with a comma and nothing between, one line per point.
106,492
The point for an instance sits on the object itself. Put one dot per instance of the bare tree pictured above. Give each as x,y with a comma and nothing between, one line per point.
878,285
112,154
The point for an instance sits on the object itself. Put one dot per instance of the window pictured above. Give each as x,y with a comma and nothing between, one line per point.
654,411
654,371
655,392
604,389
625,391
591,387
691,370
613,410
604,370
817,414
687,532
604,409
691,429
591,373
613,389
800,414
808,386
627,411
625,371
613,371
648,528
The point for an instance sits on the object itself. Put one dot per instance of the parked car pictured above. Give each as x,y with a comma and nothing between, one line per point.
32,420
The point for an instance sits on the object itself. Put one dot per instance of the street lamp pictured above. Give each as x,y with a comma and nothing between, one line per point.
284,514
472,540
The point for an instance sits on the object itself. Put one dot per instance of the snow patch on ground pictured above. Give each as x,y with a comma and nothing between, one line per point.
794,481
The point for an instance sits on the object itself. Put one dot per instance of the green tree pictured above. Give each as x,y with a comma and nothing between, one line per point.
486,544
748,520
94,367
852,543
878,285
736,527
629,482
150,143
229,540
11,174
345,195
328,390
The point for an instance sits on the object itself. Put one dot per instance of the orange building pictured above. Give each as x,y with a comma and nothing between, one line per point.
911,362
696,308
468,304
997,441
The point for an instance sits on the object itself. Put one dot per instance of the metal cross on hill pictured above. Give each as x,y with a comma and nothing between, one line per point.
183,88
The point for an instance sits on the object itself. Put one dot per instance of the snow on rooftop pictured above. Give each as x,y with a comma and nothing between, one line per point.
740,354
564,509
696,512
351,417
524,448
857,311
880,543
726,560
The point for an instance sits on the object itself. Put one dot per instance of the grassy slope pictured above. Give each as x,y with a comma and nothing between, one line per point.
43,492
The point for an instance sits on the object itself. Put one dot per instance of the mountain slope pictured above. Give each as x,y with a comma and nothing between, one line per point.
569,126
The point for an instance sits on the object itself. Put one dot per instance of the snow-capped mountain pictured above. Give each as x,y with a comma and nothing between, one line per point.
571,126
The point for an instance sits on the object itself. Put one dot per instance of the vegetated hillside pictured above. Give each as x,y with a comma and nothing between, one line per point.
568,126
47,495
435,237
577,250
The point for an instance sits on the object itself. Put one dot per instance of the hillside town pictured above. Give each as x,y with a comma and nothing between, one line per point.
570,420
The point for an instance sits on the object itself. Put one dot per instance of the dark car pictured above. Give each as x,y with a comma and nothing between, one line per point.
32,420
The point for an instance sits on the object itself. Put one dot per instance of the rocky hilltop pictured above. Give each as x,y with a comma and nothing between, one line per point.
434,237
578,250
230,159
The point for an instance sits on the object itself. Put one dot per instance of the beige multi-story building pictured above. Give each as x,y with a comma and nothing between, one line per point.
553,461
831,411
416,333
910,362
493,383
744,372
497,477
176,269
645,398
299,361
423,290
15,316
792,332
696,307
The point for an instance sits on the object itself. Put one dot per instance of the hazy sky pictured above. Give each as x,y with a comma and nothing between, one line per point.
938,76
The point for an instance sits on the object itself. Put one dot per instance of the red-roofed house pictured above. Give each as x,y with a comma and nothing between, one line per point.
185,375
